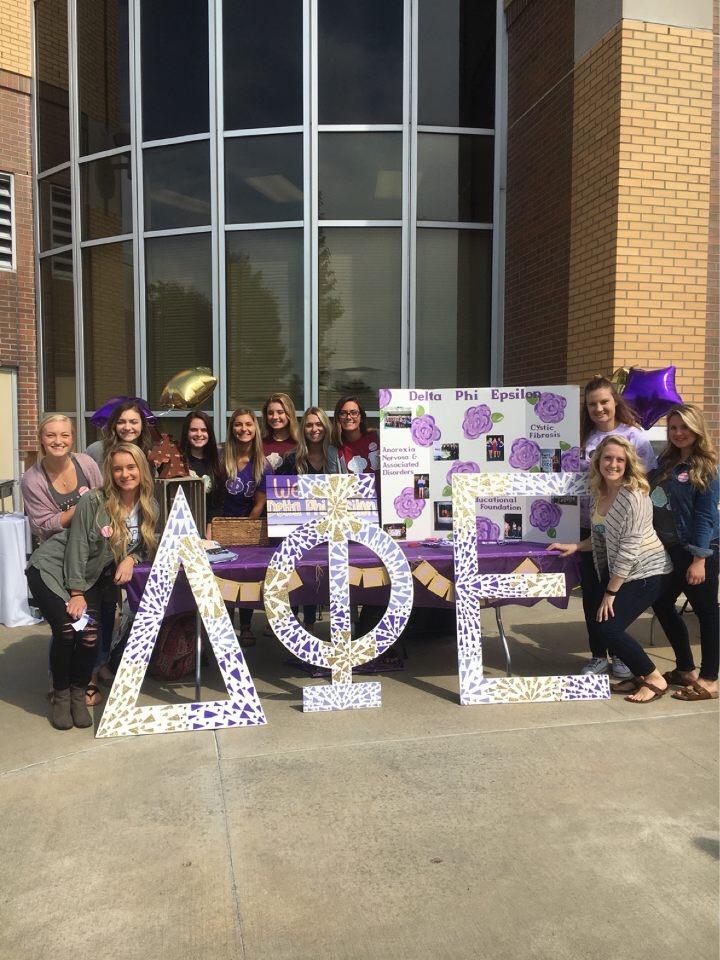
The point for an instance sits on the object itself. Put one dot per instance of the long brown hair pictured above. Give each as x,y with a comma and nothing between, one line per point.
703,459
337,425
634,477
232,447
110,438
212,454
118,540
623,411
289,407
302,463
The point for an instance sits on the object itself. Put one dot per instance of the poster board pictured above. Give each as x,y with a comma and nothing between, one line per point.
288,506
427,436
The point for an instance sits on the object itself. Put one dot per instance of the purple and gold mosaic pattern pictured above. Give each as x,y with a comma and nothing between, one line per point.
471,586
342,653
180,544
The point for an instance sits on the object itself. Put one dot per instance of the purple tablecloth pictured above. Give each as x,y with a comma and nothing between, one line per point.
252,562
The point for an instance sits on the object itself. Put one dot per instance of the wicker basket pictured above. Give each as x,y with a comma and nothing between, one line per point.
240,532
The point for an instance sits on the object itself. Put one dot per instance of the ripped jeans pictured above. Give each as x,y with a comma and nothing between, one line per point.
72,652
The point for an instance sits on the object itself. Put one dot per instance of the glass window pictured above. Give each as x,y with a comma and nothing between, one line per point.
177,185
106,199
103,66
360,176
265,328
51,46
179,308
264,179
360,59
58,332
454,284
262,66
108,321
456,63
359,312
54,198
455,177
174,46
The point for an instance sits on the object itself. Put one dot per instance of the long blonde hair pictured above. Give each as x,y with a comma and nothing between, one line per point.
302,463
51,418
232,447
634,477
289,407
703,459
118,540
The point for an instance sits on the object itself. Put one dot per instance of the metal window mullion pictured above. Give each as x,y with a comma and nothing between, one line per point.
53,170
312,187
102,154
34,141
405,230
54,251
217,210
497,307
454,225
74,117
361,223
271,225
360,127
171,141
465,131
100,241
261,131
309,338
177,231
412,190
137,200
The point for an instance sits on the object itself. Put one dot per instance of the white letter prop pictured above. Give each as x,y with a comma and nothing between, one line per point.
341,654
180,544
470,585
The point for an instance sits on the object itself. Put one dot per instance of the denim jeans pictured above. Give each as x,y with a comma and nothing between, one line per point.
633,598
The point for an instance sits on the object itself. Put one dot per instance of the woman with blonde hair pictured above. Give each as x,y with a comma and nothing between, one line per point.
247,471
52,487
280,428
631,563
314,452
684,493
112,529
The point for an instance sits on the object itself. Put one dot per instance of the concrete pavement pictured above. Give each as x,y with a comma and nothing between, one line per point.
421,830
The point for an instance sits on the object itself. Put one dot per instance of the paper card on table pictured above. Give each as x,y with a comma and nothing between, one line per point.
439,585
375,577
295,581
228,589
250,592
527,566
424,572
355,576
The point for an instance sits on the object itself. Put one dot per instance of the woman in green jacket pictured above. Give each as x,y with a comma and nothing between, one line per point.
112,529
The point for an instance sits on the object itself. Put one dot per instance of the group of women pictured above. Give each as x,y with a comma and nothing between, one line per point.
95,516
651,534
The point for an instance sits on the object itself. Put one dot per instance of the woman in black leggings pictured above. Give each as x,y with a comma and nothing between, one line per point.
111,530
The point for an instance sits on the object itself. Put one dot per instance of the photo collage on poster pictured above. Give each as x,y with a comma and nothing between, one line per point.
428,435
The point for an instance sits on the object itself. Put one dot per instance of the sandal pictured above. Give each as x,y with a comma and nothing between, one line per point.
93,695
678,678
693,693
657,692
625,686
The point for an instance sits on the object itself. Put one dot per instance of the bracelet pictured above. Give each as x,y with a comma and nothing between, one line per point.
611,593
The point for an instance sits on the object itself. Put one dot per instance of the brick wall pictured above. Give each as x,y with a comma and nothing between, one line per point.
712,352
539,178
15,36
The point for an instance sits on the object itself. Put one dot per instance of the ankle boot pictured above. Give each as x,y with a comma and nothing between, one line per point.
80,713
60,714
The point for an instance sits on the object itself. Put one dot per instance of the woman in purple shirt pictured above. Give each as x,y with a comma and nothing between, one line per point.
247,471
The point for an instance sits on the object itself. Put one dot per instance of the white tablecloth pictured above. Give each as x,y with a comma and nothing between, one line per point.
14,543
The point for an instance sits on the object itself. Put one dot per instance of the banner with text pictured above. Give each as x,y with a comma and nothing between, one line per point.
428,435
286,510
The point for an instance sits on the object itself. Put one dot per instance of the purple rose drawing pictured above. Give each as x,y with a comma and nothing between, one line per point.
550,408
384,398
461,466
524,454
545,516
477,420
487,529
407,506
424,430
570,460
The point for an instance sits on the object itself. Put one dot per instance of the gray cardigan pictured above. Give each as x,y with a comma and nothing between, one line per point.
630,547
75,558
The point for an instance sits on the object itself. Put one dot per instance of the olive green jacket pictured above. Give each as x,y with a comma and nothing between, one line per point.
75,558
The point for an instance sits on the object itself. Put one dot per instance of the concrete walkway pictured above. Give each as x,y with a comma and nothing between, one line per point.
421,830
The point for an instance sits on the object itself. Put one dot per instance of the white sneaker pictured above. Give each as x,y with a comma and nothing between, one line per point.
596,666
619,670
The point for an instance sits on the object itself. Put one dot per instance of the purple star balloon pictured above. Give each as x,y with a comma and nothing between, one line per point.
651,394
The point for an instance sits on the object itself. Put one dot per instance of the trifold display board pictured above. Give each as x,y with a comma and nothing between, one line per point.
428,435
